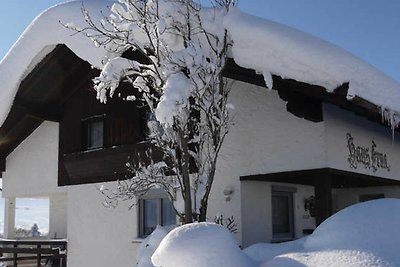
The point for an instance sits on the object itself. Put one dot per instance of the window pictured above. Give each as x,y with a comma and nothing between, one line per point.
153,212
368,197
94,133
282,215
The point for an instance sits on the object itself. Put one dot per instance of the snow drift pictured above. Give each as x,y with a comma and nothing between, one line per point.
371,227
149,246
363,235
200,245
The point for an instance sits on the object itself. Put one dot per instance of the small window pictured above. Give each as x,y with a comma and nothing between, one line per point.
282,216
153,212
94,133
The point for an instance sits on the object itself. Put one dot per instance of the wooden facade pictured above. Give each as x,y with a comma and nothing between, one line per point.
123,125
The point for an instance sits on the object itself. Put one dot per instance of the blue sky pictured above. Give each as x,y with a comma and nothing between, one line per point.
370,29
29,211
367,28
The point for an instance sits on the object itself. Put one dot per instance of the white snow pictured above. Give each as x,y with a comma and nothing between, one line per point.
200,245
176,92
272,48
264,252
365,234
265,46
362,235
373,226
43,34
150,244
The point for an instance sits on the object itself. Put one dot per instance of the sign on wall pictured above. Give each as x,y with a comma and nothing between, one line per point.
367,156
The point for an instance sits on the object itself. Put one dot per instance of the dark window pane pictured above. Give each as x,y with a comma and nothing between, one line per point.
280,214
95,134
168,213
149,216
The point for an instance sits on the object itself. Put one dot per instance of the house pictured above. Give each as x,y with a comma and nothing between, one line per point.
313,144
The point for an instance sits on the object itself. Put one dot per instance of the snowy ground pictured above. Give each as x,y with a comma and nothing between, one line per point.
363,235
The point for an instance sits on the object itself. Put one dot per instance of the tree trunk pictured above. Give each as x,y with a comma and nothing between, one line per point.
186,180
204,200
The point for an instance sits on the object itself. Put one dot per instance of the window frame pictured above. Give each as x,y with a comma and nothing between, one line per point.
86,134
154,194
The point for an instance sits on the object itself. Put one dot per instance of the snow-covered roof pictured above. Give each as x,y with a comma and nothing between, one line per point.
259,44
45,32
273,48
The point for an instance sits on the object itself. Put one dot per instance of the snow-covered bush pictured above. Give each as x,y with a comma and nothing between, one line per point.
200,245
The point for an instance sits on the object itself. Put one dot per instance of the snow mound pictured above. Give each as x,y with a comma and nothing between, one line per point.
263,252
362,235
150,244
372,226
200,245
327,258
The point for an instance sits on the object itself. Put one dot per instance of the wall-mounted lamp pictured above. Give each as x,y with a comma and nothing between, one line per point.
228,191
309,205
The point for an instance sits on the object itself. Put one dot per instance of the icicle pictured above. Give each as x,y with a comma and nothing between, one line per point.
390,117
268,79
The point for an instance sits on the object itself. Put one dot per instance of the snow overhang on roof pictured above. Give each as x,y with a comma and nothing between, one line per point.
275,49
40,38
269,48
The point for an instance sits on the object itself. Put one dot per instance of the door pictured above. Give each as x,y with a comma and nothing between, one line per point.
282,216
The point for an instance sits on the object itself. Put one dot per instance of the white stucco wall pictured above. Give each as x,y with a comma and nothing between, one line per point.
265,139
32,168
58,215
339,122
271,139
98,236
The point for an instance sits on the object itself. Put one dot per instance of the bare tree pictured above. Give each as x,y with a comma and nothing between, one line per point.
181,50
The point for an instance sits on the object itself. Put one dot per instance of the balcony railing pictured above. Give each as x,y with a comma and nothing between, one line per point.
37,251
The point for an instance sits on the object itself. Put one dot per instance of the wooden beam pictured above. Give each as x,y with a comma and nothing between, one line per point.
40,95
340,178
233,71
47,113
323,196
2,165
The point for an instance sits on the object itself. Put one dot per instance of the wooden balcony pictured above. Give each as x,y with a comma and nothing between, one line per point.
102,165
34,253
